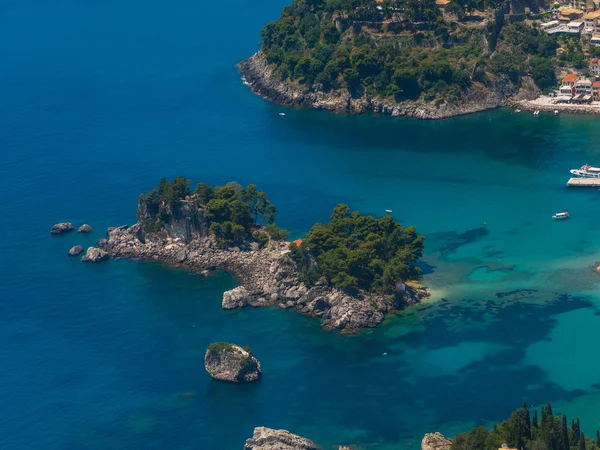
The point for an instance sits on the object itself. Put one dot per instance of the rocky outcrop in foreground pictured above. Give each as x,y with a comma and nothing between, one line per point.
435,441
60,228
269,439
268,276
260,77
85,228
230,362
77,250
94,255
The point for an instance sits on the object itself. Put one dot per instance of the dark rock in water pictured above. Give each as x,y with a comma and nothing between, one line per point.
60,228
269,439
235,298
85,228
435,441
94,254
101,243
230,362
78,249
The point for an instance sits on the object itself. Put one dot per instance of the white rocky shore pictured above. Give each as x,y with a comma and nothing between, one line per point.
267,275
545,103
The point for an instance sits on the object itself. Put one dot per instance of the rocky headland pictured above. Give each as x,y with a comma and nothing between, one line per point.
260,77
435,441
270,439
229,362
266,273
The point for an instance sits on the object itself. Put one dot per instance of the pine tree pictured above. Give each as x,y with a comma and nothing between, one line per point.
564,434
581,441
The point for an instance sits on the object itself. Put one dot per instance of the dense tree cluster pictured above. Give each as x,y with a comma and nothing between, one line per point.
234,213
313,45
526,432
355,252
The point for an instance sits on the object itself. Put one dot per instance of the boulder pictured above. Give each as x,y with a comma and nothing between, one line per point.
435,441
76,250
269,439
85,228
60,228
230,362
101,243
94,254
235,298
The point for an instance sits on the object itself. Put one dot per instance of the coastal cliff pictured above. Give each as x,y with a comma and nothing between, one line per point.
267,274
260,77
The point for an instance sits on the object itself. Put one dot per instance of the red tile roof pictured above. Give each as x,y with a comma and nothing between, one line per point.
570,77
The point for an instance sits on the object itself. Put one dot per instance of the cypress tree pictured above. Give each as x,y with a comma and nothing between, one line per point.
527,424
581,441
534,421
598,438
575,432
564,434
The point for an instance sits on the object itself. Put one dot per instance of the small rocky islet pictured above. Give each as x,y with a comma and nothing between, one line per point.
232,228
229,362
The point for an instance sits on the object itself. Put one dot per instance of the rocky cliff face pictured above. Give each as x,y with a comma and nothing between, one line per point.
267,275
269,439
230,362
259,76
435,441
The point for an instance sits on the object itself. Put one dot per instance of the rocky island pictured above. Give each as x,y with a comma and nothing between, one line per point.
421,58
229,362
350,272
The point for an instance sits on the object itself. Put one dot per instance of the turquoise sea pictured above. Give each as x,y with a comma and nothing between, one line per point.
98,100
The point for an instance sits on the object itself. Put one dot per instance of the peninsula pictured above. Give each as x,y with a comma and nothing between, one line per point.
350,272
421,58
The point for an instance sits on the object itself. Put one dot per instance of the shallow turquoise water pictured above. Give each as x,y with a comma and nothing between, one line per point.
101,100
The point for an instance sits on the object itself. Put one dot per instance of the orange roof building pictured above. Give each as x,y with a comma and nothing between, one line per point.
571,78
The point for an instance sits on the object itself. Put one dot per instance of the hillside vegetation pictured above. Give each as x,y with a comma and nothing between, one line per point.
404,49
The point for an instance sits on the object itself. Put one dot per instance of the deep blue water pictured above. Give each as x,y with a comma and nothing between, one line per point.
101,99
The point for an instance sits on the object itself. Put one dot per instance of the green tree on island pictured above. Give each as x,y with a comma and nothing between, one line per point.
355,252
235,214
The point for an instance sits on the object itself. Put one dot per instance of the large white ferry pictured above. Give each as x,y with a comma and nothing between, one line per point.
586,172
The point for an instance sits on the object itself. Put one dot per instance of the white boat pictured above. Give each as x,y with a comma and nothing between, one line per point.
586,172
561,216
556,112
388,210
517,110
536,113
282,114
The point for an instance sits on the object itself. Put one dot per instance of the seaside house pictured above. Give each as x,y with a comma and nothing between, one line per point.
595,66
583,86
595,39
596,91
576,26
590,21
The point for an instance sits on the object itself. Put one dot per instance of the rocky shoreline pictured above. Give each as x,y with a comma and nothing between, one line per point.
528,105
267,275
259,76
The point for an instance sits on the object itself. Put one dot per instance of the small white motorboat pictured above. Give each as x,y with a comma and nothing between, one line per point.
561,216
556,112
388,210
282,114
536,113
517,110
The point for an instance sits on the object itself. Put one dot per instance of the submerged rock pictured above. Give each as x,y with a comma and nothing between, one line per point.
235,298
60,228
230,362
269,439
78,249
85,228
435,441
94,254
